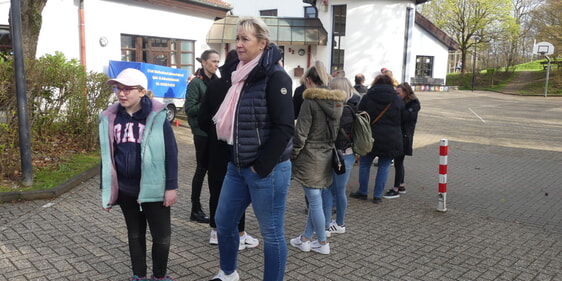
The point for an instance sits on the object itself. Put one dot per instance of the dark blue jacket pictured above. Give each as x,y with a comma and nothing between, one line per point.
264,122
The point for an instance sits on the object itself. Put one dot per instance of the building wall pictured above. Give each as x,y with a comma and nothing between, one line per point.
61,27
374,38
427,45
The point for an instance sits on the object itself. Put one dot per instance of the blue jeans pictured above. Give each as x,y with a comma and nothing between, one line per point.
315,221
268,198
337,190
365,163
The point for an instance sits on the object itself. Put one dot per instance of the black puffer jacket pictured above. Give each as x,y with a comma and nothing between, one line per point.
387,131
409,125
344,140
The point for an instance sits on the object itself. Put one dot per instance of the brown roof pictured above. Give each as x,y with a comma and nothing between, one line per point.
436,32
213,3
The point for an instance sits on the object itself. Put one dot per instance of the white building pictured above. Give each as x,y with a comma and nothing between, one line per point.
359,36
363,36
169,33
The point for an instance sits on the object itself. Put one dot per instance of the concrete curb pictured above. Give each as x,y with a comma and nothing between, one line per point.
50,193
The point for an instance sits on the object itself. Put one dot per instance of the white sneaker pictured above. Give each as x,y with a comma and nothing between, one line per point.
320,248
213,240
335,228
302,245
223,277
247,242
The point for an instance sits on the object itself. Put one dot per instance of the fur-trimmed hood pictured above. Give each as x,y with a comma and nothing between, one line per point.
324,94
330,101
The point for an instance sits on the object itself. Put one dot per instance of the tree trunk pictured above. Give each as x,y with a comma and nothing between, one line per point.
31,20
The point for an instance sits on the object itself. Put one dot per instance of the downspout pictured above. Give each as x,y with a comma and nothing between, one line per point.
308,57
82,36
407,47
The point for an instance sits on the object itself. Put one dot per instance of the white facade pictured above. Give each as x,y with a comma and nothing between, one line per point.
376,35
376,32
107,20
427,45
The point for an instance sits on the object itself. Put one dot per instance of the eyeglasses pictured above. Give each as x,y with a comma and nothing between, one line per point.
126,90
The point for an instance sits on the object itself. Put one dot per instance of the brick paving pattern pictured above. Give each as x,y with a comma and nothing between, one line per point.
504,217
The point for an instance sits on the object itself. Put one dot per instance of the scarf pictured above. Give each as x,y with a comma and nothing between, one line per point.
224,118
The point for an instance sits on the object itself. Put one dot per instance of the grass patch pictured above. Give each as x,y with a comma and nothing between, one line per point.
50,176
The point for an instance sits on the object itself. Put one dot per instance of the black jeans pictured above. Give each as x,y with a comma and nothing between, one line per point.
158,218
200,143
399,170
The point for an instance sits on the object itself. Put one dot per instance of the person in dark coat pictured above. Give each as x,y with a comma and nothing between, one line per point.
297,98
412,106
195,92
217,150
387,132
257,122
359,87
336,193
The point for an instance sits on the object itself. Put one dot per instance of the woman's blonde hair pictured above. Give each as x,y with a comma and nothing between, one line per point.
255,26
342,83
318,74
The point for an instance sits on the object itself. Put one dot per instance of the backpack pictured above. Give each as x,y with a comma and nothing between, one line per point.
361,134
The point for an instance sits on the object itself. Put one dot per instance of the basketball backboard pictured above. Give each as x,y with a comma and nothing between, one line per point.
543,48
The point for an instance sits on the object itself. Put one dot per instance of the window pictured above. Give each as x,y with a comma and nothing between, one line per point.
339,18
169,52
5,41
268,13
310,12
424,66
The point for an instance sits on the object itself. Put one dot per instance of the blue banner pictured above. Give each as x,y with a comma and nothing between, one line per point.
165,82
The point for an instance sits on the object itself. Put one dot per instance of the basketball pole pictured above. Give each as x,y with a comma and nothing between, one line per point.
547,74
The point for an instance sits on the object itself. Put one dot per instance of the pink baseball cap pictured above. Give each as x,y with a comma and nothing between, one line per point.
130,77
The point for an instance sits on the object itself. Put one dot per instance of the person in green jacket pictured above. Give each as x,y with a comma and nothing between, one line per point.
195,92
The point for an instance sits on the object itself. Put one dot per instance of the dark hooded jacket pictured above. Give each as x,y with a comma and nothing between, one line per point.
387,131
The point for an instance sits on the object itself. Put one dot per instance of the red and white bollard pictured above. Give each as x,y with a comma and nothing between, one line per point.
443,152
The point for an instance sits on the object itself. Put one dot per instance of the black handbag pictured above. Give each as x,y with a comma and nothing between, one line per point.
337,161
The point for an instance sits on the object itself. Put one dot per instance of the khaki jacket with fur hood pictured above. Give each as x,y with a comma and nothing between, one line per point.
315,134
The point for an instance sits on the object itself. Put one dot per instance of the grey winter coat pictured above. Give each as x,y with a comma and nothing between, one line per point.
315,134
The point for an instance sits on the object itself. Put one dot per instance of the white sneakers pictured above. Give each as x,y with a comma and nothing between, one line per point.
302,245
335,228
213,240
247,242
320,248
307,246
223,277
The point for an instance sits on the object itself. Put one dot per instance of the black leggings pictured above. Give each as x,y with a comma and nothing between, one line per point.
399,170
200,143
217,172
158,218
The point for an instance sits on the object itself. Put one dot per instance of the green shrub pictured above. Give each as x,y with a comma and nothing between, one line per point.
63,102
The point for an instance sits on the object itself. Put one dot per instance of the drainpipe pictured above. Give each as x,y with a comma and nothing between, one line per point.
82,35
308,57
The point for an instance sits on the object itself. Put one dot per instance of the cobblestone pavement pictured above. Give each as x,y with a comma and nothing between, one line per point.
503,220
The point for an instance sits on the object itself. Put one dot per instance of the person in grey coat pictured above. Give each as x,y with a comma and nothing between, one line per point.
315,134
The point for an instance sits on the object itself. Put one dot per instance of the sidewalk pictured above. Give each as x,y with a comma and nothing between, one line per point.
71,238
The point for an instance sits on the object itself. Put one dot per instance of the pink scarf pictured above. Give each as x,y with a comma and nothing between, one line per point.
224,118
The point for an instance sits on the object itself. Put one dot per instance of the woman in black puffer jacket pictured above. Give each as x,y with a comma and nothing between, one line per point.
387,132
